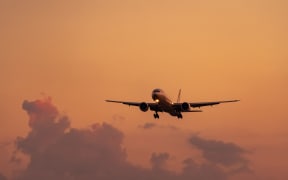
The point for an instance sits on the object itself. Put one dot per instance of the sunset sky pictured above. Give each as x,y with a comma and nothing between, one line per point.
66,57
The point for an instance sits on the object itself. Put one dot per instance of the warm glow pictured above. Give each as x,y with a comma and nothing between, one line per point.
83,52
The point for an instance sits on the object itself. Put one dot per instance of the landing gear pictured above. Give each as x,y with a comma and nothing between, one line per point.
179,116
156,115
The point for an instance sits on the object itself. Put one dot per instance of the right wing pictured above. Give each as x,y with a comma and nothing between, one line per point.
125,102
152,106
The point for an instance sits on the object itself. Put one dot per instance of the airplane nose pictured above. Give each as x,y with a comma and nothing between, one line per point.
154,97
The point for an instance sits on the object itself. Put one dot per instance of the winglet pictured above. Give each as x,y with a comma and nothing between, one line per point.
179,96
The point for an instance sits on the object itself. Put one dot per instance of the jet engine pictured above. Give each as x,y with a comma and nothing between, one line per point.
185,106
144,107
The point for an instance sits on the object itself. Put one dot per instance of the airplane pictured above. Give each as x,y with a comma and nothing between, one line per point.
163,104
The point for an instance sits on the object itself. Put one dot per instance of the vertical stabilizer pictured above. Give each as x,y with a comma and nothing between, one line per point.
179,96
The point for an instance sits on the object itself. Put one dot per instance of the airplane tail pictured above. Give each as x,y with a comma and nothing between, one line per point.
179,96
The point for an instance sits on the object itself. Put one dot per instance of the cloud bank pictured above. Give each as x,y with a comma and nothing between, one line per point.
221,153
58,151
2,177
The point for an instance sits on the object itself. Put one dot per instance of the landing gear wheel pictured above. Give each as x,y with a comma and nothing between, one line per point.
156,116
179,116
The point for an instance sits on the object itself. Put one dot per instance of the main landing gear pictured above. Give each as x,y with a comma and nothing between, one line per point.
156,115
179,116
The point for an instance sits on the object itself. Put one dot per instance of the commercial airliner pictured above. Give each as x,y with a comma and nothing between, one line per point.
163,104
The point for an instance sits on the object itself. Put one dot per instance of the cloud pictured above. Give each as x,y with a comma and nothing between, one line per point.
204,171
147,125
219,152
2,177
58,151
159,160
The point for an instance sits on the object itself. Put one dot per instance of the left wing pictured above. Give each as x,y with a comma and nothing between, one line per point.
200,104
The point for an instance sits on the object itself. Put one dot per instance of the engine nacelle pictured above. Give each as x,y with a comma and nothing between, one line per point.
185,106
144,107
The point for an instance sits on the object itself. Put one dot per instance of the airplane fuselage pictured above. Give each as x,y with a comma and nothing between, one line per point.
159,96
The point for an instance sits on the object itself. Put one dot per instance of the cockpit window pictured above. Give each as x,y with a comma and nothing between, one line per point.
157,90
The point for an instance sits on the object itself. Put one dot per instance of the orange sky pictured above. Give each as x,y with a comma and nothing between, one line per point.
81,53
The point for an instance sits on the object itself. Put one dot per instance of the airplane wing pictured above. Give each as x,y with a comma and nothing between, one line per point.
125,102
200,104
152,106
177,106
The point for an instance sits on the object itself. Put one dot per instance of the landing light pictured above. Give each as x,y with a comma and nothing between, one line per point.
157,100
